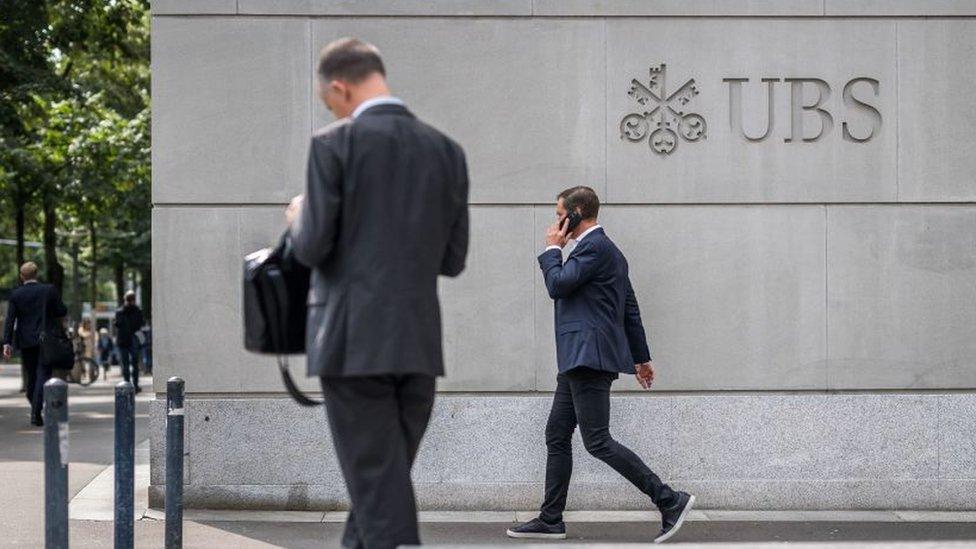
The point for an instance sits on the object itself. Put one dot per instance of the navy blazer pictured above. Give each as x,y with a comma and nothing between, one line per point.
598,323
26,309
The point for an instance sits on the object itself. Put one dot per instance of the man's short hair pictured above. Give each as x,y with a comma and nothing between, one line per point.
582,198
349,60
130,296
28,271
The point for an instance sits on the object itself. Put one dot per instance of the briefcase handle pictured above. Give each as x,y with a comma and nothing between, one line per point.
281,297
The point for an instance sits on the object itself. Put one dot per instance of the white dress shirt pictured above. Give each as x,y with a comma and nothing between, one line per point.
578,239
375,101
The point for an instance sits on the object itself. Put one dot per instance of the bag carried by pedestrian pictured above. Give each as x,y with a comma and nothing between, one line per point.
56,349
275,295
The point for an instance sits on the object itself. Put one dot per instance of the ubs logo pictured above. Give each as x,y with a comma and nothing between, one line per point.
663,119
661,115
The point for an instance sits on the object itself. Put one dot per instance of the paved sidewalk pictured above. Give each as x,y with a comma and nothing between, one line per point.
90,479
819,535
22,453
216,528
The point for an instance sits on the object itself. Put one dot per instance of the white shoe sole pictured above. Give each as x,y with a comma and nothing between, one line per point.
677,525
530,535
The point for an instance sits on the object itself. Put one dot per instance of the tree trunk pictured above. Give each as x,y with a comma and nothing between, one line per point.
145,288
20,206
93,272
119,281
55,271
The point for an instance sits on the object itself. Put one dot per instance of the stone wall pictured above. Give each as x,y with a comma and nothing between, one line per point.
801,232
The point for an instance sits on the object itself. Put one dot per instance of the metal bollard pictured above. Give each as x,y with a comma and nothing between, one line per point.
56,464
174,463
125,455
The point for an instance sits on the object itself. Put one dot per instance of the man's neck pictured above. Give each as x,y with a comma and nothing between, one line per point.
584,226
371,88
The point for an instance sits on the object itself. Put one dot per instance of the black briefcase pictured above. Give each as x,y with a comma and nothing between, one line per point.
275,296
57,352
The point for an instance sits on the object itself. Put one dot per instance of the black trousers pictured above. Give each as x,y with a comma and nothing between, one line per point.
583,397
129,355
37,376
377,423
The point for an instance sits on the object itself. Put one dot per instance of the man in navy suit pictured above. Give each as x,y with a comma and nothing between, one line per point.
25,321
599,335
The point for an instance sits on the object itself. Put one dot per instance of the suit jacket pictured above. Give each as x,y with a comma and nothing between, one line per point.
128,320
598,323
385,212
26,311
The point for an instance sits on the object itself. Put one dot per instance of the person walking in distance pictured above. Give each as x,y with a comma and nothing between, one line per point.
128,321
599,335
33,308
384,213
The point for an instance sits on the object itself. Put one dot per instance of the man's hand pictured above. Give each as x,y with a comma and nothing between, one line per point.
645,374
556,234
7,351
292,211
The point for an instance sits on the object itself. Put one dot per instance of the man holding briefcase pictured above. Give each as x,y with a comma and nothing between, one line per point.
385,212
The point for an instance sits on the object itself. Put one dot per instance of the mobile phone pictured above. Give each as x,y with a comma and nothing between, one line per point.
574,220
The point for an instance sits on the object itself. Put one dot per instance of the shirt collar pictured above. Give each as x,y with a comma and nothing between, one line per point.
375,101
588,231
30,282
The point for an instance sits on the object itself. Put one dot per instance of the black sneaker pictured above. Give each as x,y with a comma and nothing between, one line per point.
673,518
37,421
536,529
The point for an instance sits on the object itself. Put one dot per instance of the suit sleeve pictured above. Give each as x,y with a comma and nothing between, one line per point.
316,228
634,328
8,324
457,244
562,279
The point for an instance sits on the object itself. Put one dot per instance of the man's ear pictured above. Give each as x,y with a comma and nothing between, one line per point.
342,90
336,87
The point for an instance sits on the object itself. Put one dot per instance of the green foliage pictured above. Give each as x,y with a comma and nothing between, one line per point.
75,132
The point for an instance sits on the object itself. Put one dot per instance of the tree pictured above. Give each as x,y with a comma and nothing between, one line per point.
74,119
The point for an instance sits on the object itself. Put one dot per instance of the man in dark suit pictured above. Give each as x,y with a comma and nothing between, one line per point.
599,335
128,321
29,304
385,212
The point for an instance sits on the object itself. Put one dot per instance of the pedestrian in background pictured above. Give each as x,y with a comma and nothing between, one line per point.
128,321
33,309
106,346
145,342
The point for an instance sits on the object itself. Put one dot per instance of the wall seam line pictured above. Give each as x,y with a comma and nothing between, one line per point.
897,116
967,204
311,104
535,312
938,441
629,394
826,301
606,115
